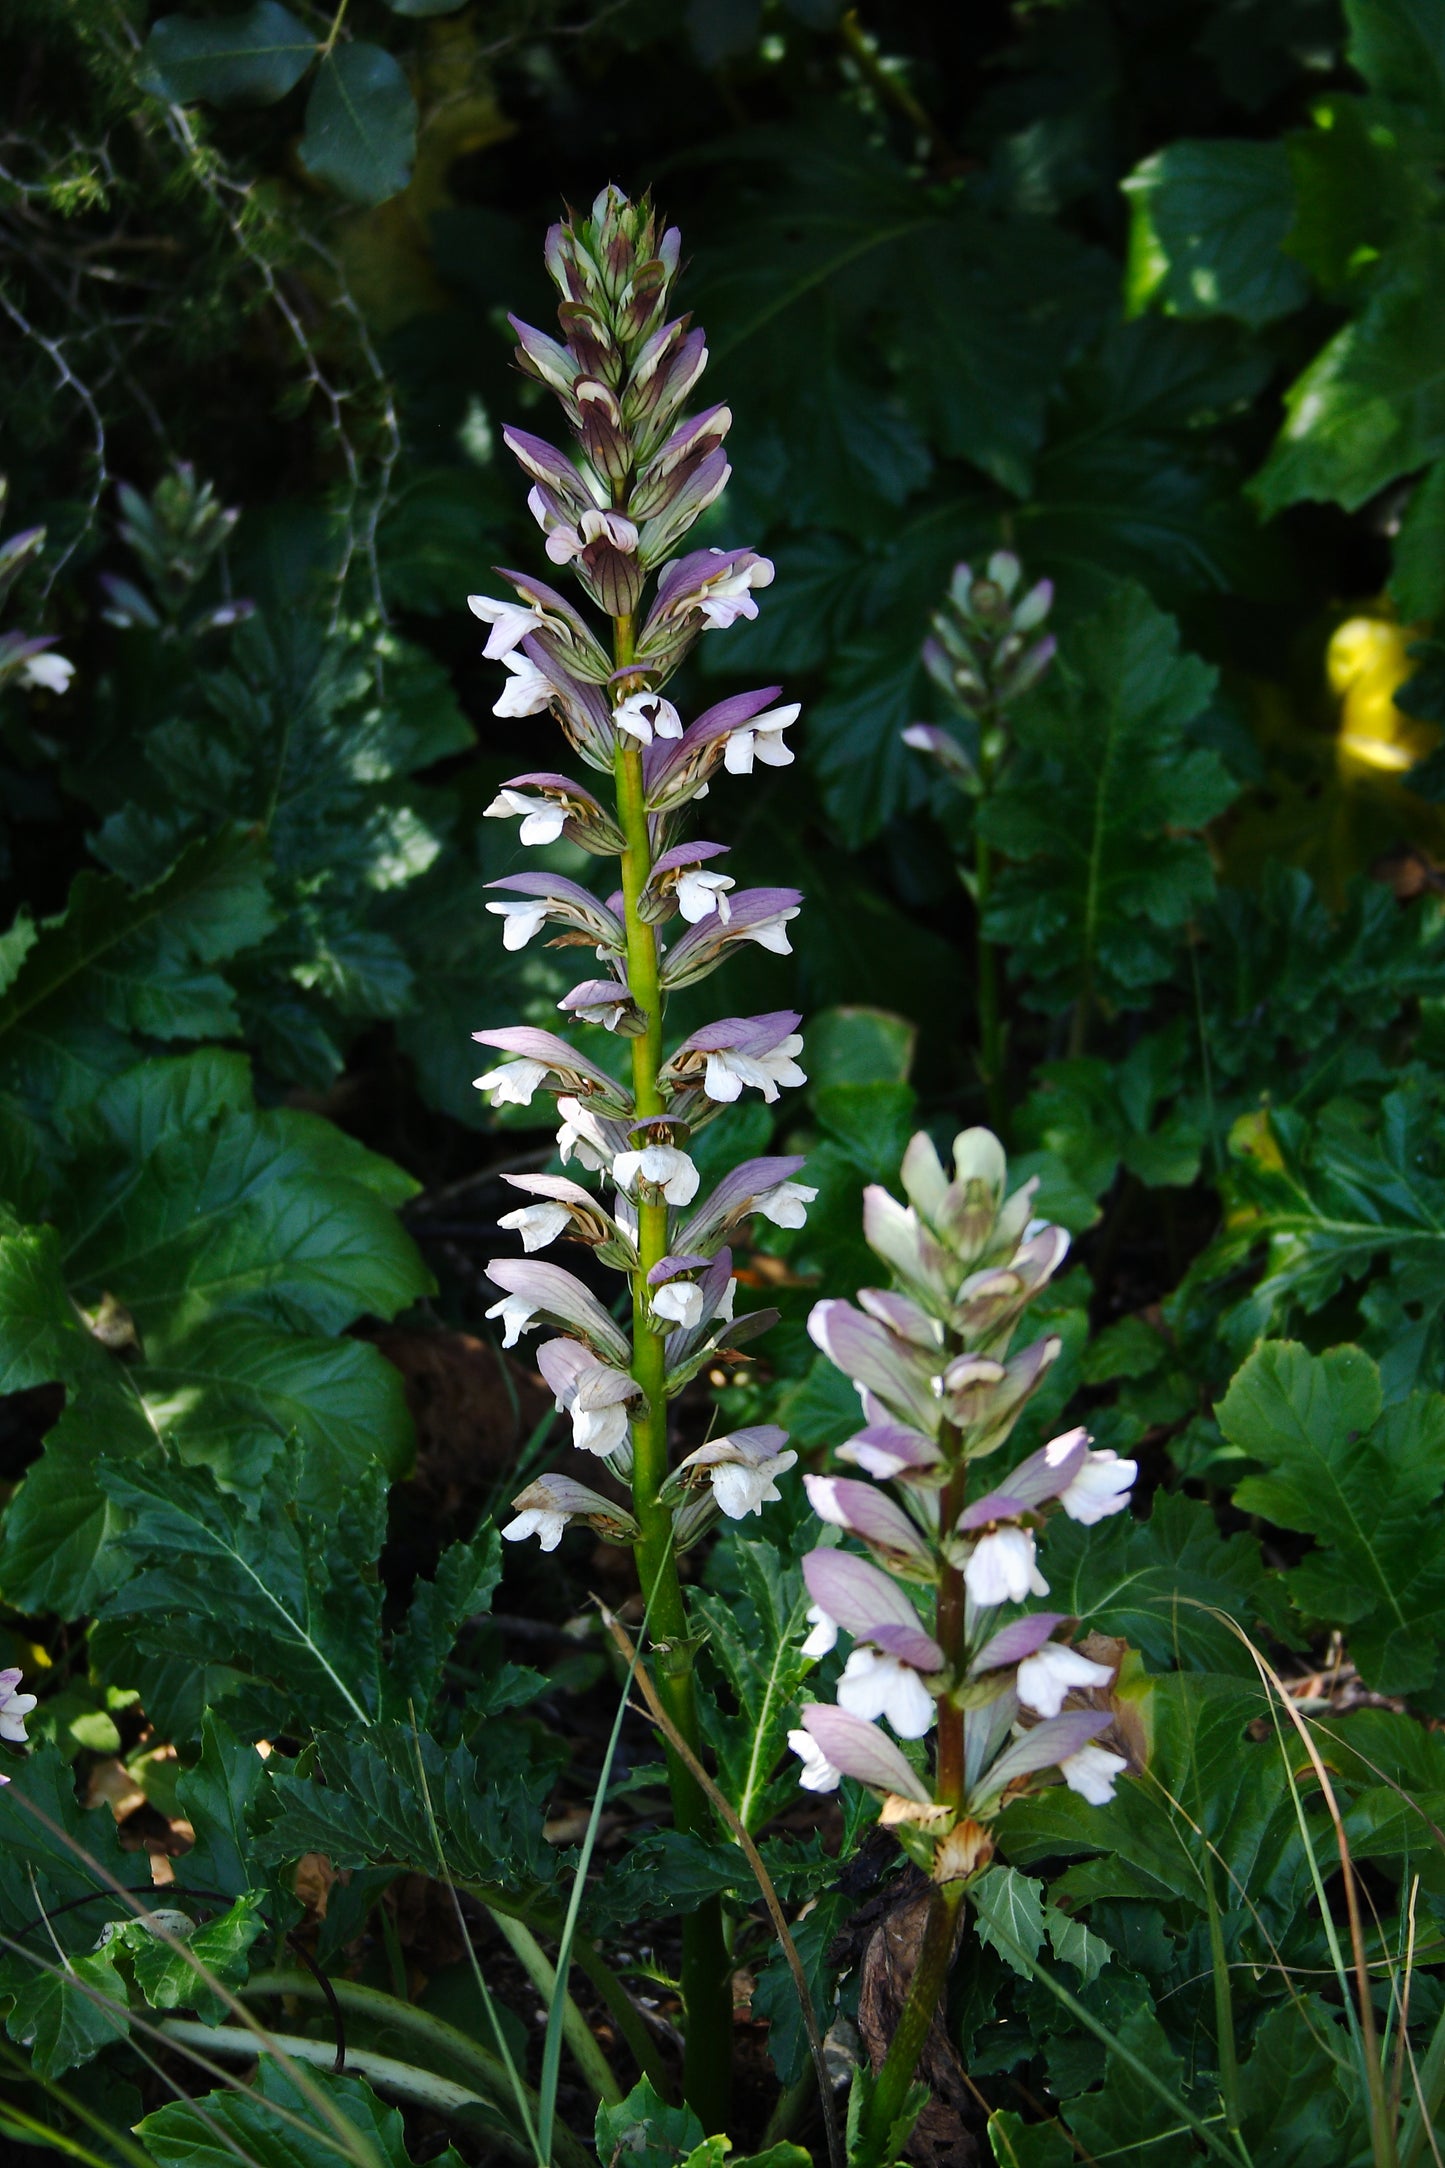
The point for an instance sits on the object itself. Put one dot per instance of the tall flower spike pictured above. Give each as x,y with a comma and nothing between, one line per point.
940,1390
613,507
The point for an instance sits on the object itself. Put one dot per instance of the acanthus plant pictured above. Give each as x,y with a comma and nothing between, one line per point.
984,654
613,509
940,1392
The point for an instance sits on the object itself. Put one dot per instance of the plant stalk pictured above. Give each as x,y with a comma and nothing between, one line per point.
706,1973
894,2081
990,1019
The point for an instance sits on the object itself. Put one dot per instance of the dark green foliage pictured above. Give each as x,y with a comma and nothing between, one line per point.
1100,816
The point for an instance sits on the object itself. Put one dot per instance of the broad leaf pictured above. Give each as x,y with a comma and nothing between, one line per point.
1371,406
115,963
1101,812
1367,1487
1208,223
282,2121
360,124
250,58
395,1797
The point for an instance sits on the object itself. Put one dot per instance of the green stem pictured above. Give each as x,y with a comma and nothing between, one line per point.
1223,2011
706,1982
575,2030
990,1019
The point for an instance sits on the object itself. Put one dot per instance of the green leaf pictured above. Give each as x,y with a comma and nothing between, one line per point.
1208,220
114,963
1159,1583
1293,2102
872,1122
1017,2144
1075,1944
1417,575
65,2014
218,1796
1092,906
1399,48
669,1873
1371,406
466,1575
856,732
173,1979
276,2122
292,1599
1008,1909
860,1046
644,2131
248,1213
1367,1486
1206,1768
360,124
1128,2116
775,1993
372,1808
250,58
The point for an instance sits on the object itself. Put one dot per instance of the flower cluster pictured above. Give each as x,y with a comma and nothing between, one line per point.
613,508
984,655
940,1391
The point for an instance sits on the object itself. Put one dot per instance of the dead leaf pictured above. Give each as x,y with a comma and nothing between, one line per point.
945,2133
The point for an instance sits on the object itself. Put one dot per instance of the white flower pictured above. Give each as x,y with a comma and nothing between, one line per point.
604,1010
513,1083
700,893
1001,1568
52,673
542,819
662,1166
516,1314
564,542
647,715
729,1070
546,1527
1046,1677
785,1204
817,1773
509,621
1091,1773
14,1708
680,1300
761,739
730,598
600,1430
537,1224
821,1640
771,933
875,1684
582,1137
526,692
741,1488
723,1307
1100,1488
521,920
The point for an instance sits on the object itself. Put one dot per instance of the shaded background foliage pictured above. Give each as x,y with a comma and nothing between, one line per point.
1146,291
